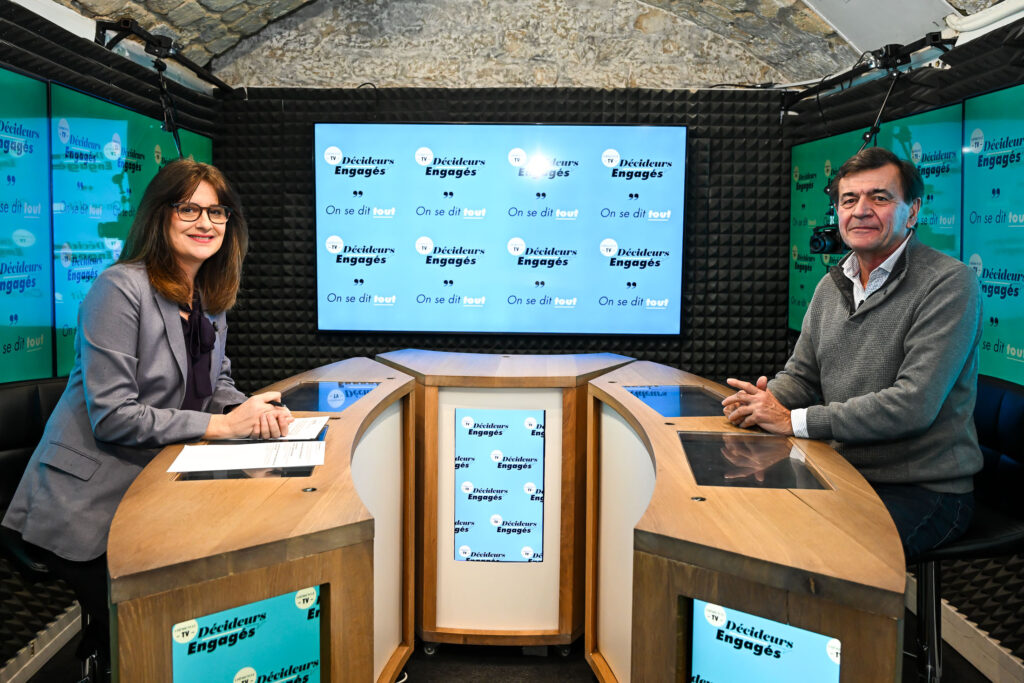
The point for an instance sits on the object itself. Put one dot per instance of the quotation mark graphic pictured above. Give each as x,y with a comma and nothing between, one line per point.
449,283
357,193
995,191
542,195
630,285
929,198
993,321
449,195
14,319
538,283
634,195
11,180
358,281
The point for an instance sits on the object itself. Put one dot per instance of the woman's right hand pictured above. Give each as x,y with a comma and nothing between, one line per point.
257,418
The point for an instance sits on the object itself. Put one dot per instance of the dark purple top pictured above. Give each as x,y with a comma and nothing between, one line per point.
199,341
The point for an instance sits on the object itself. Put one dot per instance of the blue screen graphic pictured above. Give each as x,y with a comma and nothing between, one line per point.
499,485
277,639
730,645
499,228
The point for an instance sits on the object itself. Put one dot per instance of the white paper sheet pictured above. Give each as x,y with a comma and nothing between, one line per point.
246,456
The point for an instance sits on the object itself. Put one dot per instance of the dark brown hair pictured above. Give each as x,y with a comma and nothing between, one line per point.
869,159
148,241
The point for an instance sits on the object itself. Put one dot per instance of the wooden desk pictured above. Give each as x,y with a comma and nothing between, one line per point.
182,549
828,561
538,604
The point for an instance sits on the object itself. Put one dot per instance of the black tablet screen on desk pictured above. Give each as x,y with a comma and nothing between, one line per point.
750,460
326,397
677,401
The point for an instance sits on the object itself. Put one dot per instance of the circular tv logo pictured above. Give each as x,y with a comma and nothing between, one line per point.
185,631
516,246
977,140
828,167
530,423
496,520
305,597
336,398
497,455
976,265
112,150
63,131
425,245
246,675
23,238
466,487
465,551
467,422
334,244
610,158
916,153
796,252
332,155
424,156
65,255
517,157
796,174
526,552
609,247
834,649
715,614
158,154
529,488
114,245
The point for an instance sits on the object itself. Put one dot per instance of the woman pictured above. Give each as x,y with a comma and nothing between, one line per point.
149,371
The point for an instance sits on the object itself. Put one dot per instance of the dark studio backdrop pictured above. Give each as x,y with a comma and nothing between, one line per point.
736,243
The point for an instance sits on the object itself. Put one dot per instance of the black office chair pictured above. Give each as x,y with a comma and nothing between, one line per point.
997,528
24,409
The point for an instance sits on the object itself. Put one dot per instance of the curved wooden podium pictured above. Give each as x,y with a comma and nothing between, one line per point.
828,560
501,603
183,549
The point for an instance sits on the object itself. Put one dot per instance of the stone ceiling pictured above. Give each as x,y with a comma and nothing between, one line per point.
787,37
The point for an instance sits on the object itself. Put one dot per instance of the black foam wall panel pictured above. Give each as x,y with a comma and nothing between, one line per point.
734,288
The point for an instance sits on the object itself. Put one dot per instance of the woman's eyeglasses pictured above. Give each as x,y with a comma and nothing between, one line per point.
190,213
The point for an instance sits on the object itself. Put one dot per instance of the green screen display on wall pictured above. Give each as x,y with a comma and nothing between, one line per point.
103,156
26,287
993,144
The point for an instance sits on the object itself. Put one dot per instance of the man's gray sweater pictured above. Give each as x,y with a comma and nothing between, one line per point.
893,383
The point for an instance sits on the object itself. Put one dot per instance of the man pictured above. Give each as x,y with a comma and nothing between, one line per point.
886,364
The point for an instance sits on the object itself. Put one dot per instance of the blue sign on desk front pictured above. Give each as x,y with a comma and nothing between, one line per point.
499,485
277,639
730,645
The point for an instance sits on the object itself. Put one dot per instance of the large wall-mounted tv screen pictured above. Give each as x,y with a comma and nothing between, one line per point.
103,157
993,146
571,229
26,288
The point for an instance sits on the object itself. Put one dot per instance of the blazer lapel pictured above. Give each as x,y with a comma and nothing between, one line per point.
172,327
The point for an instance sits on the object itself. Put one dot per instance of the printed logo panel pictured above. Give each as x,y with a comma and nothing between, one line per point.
277,639
499,485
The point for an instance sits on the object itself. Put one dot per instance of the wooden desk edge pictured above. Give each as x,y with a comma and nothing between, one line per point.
863,597
490,381
138,584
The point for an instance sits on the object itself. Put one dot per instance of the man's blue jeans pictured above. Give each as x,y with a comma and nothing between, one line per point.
925,519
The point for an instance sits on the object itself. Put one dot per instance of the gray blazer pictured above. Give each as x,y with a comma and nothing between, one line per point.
121,405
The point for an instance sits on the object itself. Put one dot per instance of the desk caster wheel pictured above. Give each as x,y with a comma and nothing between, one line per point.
565,650
430,649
